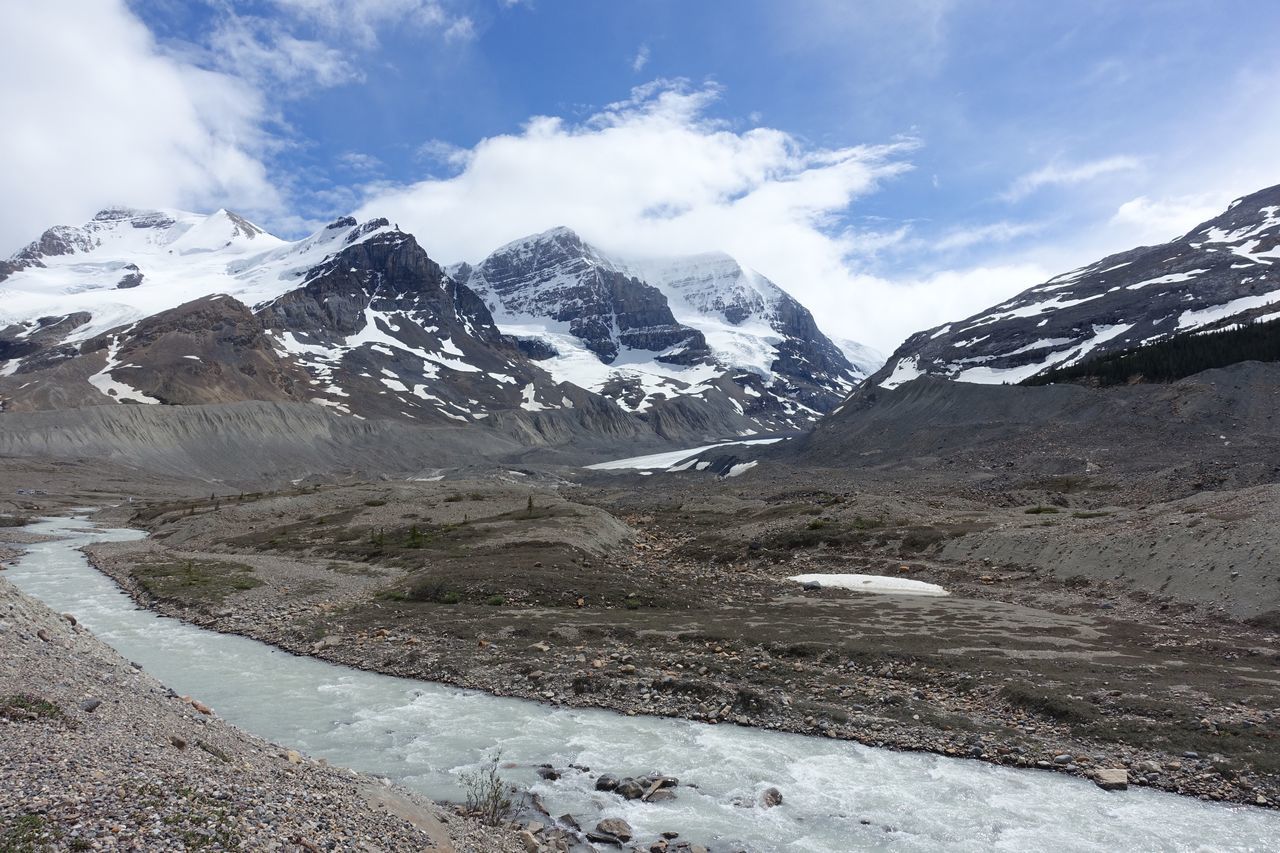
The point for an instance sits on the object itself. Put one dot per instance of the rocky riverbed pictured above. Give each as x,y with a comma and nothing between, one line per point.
99,755
670,617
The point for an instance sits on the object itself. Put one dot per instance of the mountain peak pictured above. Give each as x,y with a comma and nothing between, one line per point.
561,237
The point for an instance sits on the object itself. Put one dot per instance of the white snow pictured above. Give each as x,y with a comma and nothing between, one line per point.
904,371
529,404
1205,316
1032,309
882,584
670,460
113,388
741,468
700,290
186,256
1173,278
1072,355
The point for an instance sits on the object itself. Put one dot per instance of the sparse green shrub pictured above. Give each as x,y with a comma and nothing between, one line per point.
488,794
495,600
19,706
1040,510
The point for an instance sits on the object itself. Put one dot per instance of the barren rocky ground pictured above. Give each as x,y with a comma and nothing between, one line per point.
668,595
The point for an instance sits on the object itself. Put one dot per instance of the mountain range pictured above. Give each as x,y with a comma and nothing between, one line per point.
549,340
168,307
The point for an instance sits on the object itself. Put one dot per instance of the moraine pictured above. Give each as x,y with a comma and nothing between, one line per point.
838,795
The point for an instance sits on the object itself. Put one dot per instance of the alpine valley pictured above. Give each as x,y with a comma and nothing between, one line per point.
1043,537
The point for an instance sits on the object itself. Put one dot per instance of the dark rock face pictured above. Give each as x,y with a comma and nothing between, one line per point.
212,350
1224,271
58,240
130,279
780,374
807,367
556,275
1147,438
808,358
387,272
535,348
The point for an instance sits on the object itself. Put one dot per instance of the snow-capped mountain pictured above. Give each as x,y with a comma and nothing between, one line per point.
172,307
648,332
1224,271
143,306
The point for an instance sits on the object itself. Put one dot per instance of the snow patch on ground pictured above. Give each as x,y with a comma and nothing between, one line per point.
904,371
113,388
670,461
1205,316
882,584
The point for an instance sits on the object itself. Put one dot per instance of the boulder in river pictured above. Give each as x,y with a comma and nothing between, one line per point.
615,827
630,789
770,797
607,782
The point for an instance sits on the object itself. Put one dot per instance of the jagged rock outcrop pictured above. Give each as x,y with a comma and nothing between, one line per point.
644,333
557,276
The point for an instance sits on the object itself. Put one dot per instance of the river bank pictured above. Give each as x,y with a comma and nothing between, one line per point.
836,795
98,754
991,673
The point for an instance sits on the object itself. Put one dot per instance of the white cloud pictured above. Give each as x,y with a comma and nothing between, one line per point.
982,235
361,20
461,29
904,306
443,153
654,175
263,52
98,115
1056,175
641,59
1150,221
360,162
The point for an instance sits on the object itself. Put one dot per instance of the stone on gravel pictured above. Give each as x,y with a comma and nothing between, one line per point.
1112,779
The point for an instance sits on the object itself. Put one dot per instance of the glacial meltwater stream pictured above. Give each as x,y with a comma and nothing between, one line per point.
838,795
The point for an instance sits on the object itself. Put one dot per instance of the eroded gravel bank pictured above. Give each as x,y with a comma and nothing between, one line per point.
98,754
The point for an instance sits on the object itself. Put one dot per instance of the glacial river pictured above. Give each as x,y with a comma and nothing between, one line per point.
838,795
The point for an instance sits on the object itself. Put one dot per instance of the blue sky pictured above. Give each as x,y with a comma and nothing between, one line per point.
894,165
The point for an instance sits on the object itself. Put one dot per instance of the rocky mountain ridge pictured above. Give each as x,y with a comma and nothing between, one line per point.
167,307
647,331
1224,271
